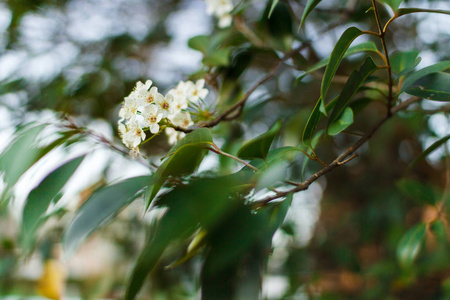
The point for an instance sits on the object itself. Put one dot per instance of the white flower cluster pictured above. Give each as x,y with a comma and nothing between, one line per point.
222,10
145,108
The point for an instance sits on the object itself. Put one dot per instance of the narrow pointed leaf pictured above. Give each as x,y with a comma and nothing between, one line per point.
314,142
311,125
342,122
404,61
40,198
413,77
405,11
394,4
274,3
409,245
286,153
310,5
219,57
196,244
259,146
434,86
352,85
363,47
22,153
427,151
336,56
199,43
105,203
182,159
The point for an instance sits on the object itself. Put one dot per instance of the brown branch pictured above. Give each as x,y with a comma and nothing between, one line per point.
217,150
235,111
443,109
343,158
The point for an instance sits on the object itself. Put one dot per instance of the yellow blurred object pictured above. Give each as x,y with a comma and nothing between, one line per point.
51,283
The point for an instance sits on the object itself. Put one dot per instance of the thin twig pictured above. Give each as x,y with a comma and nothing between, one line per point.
217,150
343,158
99,138
386,55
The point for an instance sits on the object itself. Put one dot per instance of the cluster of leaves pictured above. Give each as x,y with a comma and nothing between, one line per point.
221,216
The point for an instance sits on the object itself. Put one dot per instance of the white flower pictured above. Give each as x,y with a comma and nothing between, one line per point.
221,9
151,115
167,105
153,96
122,129
135,152
174,136
179,103
181,89
132,135
140,91
218,7
197,91
182,119
180,95
225,20
130,108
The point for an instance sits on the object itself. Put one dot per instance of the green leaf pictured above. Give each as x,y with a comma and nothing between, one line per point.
272,175
274,3
238,248
104,204
310,5
363,47
259,146
409,246
314,142
359,104
199,43
286,153
311,125
352,85
427,151
22,153
404,61
40,198
394,4
439,230
217,58
330,106
11,86
342,122
434,86
182,159
336,57
405,11
279,27
414,76
189,207
418,191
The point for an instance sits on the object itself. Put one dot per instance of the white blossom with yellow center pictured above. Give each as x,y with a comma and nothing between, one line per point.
197,91
152,115
166,105
132,134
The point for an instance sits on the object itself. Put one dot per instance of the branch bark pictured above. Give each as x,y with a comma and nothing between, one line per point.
343,158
